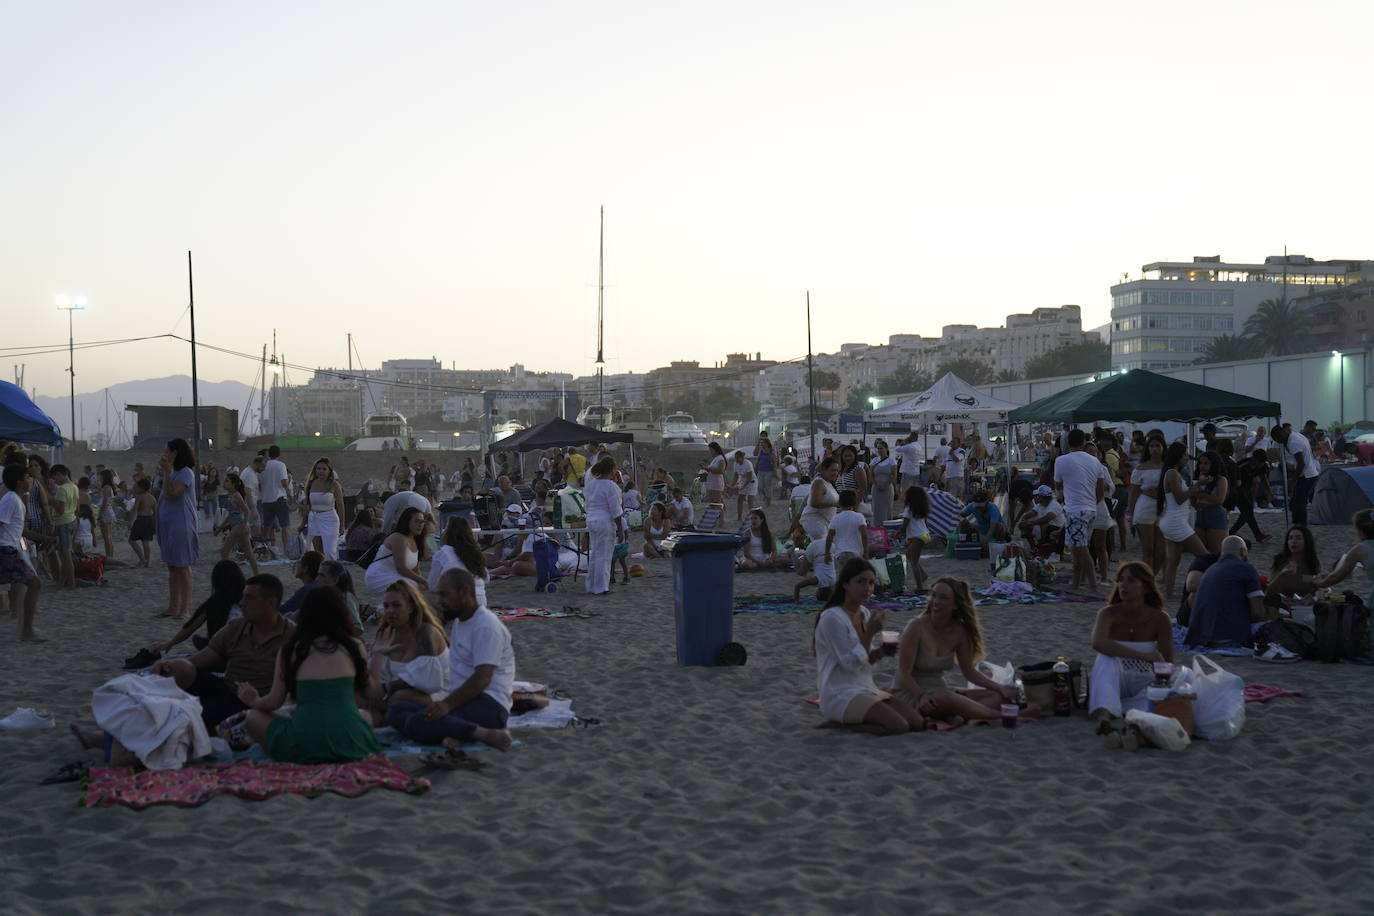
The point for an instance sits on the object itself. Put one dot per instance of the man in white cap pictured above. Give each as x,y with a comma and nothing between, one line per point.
1044,523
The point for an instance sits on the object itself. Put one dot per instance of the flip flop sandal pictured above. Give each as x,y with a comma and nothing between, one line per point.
583,723
451,759
71,772
1131,738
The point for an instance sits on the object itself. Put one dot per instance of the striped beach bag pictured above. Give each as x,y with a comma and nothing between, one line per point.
944,513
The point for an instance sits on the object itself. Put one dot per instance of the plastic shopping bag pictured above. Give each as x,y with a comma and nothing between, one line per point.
1011,569
1161,731
999,674
1219,712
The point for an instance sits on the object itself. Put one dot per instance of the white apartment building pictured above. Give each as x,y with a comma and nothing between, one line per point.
1027,336
1169,316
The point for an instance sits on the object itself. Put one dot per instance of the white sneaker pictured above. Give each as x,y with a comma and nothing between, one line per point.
27,717
1277,653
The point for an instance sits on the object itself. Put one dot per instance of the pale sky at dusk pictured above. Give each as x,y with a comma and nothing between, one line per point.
427,176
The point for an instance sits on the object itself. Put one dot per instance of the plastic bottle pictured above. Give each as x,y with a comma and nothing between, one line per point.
1063,693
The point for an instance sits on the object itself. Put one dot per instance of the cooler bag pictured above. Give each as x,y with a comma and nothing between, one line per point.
896,571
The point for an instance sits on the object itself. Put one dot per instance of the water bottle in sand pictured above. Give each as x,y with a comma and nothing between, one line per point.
1063,694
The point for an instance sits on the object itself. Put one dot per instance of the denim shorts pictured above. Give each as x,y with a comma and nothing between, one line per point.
66,535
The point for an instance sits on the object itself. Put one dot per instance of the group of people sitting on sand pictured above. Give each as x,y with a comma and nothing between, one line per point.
310,690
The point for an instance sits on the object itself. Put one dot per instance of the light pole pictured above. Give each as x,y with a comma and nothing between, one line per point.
70,304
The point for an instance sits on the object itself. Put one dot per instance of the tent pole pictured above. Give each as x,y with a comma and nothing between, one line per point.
1287,491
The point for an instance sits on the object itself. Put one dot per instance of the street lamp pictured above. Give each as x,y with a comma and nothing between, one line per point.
71,304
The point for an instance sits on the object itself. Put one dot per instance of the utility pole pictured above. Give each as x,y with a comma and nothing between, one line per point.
262,394
195,379
601,313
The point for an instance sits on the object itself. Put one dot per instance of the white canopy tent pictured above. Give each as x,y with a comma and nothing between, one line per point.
950,400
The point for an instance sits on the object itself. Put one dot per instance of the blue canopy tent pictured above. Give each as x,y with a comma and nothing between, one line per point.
22,421
1340,493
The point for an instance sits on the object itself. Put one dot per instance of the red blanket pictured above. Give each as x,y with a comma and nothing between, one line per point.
251,779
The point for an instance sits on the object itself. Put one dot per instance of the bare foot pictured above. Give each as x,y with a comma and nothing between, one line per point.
498,738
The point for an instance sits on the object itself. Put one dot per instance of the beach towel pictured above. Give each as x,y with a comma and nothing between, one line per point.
251,779
932,725
944,513
1181,633
1263,693
537,613
906,601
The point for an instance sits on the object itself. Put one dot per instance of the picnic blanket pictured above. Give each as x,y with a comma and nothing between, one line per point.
931,725
1181,633
251,779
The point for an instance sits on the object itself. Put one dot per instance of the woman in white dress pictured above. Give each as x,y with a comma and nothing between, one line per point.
1143,510
409,655
605,523
845,633
746,484
1131,633
1174,523
400,554
321,509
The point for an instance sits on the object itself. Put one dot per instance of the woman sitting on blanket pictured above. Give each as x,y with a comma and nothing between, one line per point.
460,549
1295,570
1131,633
761,550
324,670
657,527
948,630
845,631
409,654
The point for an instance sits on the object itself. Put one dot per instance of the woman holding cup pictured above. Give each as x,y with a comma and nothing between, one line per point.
1131,634
845,633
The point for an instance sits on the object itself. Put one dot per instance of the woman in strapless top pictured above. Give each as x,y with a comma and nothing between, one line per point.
323,501
946,633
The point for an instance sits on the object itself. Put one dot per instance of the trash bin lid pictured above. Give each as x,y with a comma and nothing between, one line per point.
688,542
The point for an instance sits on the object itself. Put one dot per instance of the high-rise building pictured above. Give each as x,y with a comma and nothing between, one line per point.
1170,315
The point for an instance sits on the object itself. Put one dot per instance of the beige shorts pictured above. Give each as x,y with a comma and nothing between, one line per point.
859,706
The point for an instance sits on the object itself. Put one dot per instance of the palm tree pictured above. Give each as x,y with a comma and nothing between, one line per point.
1278,327
1229,348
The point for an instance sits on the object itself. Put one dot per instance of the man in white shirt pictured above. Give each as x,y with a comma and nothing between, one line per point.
680,510
251,488
955,456
1304,470
746,484
481,672
1044,523
911,453
1077,476
275,510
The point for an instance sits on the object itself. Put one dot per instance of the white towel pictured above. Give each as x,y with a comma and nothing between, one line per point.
154,718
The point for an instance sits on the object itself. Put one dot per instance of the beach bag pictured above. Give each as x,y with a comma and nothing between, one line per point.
621,550
882,578
90,568
1289,635
367,556
1342,629
545,565
1038,680
1002,675
569,507
1219,712
295,547
896,571
1011,569
879,543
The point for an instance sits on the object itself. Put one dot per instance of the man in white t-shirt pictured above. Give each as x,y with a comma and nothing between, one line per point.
847,537
955,458
481,675
911,453
1077,476
746,484
275,510
1044,523
937,463
680,510
1304,470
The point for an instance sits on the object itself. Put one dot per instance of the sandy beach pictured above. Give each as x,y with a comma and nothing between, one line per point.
712,790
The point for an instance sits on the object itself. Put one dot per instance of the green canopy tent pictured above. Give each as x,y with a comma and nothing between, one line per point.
1141,396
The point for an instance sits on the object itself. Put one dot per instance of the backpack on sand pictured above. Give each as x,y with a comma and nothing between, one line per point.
1342,629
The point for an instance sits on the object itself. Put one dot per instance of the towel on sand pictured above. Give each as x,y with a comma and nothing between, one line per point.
1263,693
251,779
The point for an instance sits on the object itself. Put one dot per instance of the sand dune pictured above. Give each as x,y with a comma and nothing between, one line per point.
712,790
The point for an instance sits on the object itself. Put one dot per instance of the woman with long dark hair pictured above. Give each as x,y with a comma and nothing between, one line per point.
106,516
761,550
916,511
177,539
843,640
226,588
1295,568
459,548
324,669
321,508
715,474
1212,486
400,554
853,477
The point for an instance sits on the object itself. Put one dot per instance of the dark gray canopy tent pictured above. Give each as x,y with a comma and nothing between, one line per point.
558,433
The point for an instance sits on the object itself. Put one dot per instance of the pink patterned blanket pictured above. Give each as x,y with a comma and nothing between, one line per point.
252,779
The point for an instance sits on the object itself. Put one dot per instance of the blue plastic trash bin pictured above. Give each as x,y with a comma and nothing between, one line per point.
704,595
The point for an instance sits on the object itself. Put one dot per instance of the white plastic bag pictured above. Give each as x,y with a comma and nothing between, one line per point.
1219,713
1161,731
999,674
